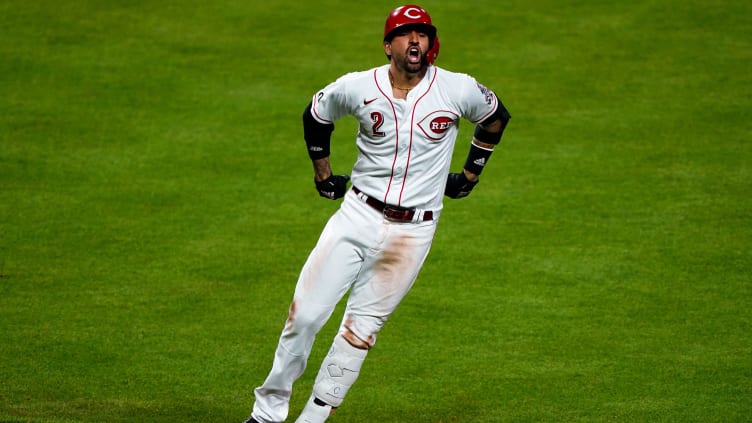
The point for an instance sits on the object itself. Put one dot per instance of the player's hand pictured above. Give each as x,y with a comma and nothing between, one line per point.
458,185
333,187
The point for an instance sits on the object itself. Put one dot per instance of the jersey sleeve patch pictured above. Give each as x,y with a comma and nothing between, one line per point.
490,100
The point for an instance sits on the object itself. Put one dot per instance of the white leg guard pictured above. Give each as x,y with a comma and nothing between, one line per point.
338,372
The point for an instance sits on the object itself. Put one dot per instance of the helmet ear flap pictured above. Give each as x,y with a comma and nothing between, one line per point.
433,52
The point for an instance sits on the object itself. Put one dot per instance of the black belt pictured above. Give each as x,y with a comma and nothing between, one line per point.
394,213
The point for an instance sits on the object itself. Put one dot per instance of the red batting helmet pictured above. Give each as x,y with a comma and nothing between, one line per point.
411,14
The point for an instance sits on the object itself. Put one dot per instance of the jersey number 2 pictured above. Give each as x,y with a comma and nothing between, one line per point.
378,119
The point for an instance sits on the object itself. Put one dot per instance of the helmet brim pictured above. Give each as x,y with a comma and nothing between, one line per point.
428,29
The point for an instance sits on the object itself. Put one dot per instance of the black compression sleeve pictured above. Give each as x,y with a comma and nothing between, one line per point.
501,114
317,135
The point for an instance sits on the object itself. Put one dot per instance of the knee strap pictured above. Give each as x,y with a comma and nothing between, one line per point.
338,372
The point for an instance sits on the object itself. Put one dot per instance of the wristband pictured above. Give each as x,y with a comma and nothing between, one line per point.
477,158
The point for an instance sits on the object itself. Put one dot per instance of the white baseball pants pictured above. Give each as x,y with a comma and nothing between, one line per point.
377,260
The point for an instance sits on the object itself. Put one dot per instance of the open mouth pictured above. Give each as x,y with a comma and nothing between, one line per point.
413,55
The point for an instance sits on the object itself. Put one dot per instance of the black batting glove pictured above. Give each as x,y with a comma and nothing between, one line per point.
458,185
333,187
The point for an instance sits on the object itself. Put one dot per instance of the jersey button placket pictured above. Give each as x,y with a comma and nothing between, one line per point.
402,150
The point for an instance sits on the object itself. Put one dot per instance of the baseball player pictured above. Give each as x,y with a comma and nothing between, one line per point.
374,245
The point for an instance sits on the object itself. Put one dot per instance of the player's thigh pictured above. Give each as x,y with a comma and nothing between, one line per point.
386,277
333,264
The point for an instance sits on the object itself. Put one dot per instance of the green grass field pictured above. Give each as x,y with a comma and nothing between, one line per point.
157,204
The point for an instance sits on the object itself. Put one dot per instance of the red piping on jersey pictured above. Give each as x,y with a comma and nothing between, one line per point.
313,109
396,136
412,126
396,144
496,106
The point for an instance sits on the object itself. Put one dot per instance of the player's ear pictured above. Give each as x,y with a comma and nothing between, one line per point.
387,48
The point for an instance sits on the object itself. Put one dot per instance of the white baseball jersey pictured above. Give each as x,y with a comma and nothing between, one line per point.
405,146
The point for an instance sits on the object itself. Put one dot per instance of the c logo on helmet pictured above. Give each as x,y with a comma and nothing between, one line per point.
409,10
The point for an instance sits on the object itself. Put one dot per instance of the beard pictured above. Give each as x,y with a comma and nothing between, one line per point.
404,64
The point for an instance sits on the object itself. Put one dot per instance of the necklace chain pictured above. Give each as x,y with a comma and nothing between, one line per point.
391,81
